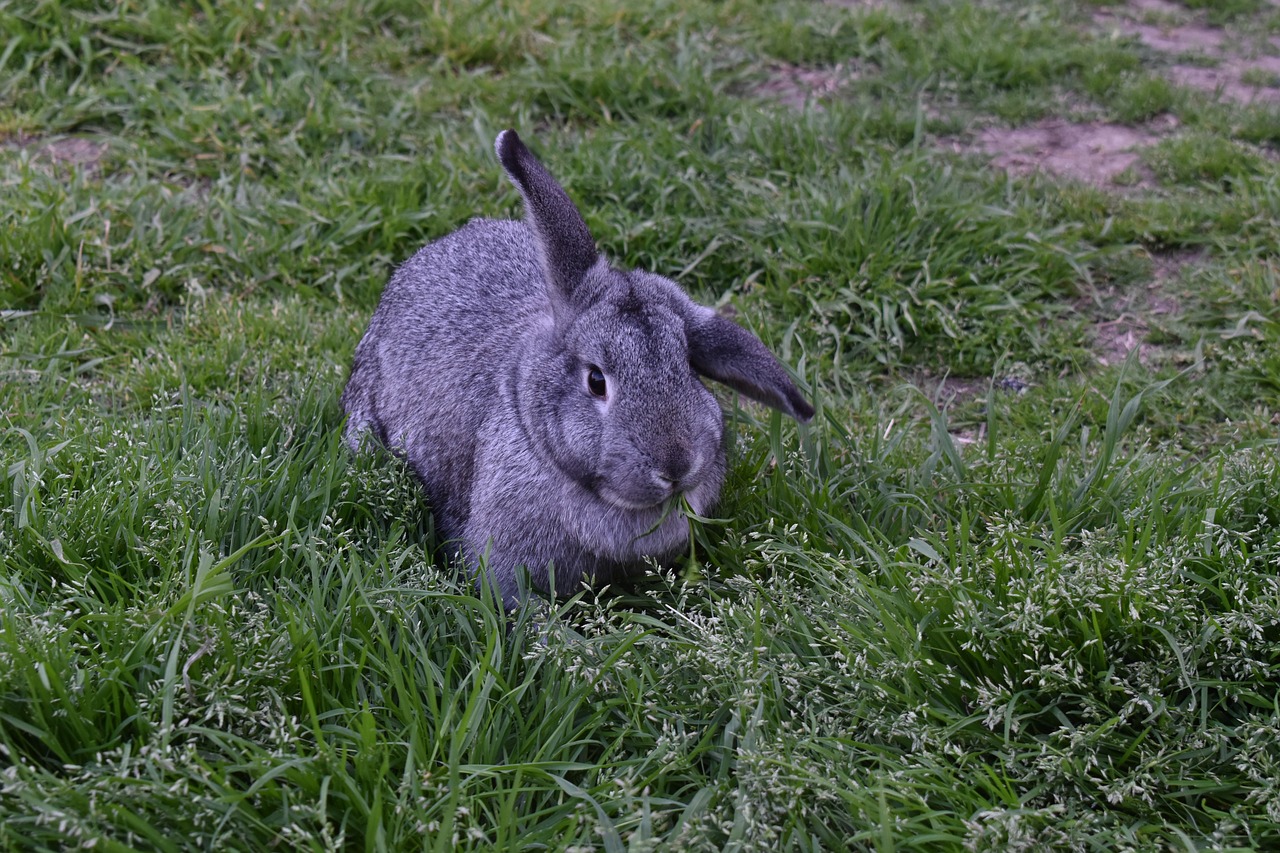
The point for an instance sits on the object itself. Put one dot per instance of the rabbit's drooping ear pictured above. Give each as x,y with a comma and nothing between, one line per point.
565,244
722,350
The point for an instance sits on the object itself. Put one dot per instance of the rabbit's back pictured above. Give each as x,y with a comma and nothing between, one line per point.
430,367
486,270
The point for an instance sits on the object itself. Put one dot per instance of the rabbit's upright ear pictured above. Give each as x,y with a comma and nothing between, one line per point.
722,350
567,248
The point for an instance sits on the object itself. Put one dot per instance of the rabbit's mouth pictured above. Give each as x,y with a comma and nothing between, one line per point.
636,503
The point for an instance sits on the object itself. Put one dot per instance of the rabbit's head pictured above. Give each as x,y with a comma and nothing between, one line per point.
609,387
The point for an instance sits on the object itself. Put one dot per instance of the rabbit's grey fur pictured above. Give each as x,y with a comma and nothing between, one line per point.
477,368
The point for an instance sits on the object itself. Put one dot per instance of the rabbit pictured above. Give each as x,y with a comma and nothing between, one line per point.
550,404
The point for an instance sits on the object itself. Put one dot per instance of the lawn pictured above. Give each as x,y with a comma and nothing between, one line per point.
1017,585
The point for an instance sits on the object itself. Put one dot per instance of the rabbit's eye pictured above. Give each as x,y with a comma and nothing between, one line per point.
595,382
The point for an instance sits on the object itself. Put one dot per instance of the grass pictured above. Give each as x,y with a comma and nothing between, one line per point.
1043,615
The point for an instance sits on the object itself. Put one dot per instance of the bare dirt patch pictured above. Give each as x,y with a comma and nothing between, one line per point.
1233,65
75,151
1133,313
948,391
1094,153
1193,54
1229,79
798,87
69,151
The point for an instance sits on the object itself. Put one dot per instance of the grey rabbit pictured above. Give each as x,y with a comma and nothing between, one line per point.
550,404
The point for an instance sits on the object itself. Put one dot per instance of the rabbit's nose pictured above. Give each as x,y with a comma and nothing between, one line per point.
674,471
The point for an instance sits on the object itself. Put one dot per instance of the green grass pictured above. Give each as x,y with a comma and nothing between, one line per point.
1045,616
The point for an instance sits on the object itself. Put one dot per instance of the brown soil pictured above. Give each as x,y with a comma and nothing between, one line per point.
1201,57
947,390
65,151
798,87
1230,63
1236,66
1135,310
1091,152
